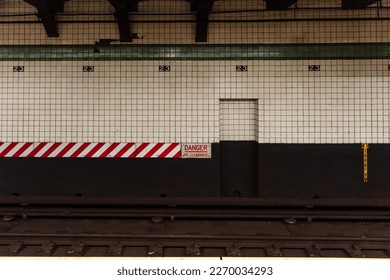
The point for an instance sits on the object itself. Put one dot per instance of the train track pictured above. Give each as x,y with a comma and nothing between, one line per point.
174,231
181,246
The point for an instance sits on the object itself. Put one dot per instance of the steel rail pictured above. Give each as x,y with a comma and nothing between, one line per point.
205,213
157,237
231,202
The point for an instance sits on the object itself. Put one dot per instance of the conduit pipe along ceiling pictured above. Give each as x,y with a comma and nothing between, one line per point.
47,10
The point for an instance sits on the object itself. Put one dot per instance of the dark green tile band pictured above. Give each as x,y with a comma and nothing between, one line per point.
194,52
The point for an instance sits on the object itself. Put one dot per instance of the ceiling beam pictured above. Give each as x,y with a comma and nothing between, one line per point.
122,9
357,4
278,5
47,10
202,9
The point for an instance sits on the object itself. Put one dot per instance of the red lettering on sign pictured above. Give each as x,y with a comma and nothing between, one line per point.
197,148
196,151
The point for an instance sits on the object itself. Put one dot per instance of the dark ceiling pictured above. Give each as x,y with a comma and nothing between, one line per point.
201,9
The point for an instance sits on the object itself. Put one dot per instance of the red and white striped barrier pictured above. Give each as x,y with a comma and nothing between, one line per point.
90,150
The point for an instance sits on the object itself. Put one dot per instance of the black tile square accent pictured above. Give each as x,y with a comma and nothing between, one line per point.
164,68
314,68
18,68
242,68
88,68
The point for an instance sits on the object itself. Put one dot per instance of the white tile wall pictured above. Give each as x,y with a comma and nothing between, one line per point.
131,101
346,102
238,120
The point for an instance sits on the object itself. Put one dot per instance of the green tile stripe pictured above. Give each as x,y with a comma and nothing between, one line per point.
194,52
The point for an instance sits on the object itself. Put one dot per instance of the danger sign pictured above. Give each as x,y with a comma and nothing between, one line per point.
196,151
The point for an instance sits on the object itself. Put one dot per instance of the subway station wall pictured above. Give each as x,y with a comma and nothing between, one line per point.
236,169
346,102
277,129
284,120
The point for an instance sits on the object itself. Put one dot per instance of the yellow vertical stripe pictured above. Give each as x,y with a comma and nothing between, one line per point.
365,162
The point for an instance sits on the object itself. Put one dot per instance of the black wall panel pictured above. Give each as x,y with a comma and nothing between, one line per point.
239,164
245,169
323,171
111,177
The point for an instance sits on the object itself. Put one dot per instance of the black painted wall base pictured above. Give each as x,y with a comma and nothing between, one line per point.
110,177
236,169
239,165
323,171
